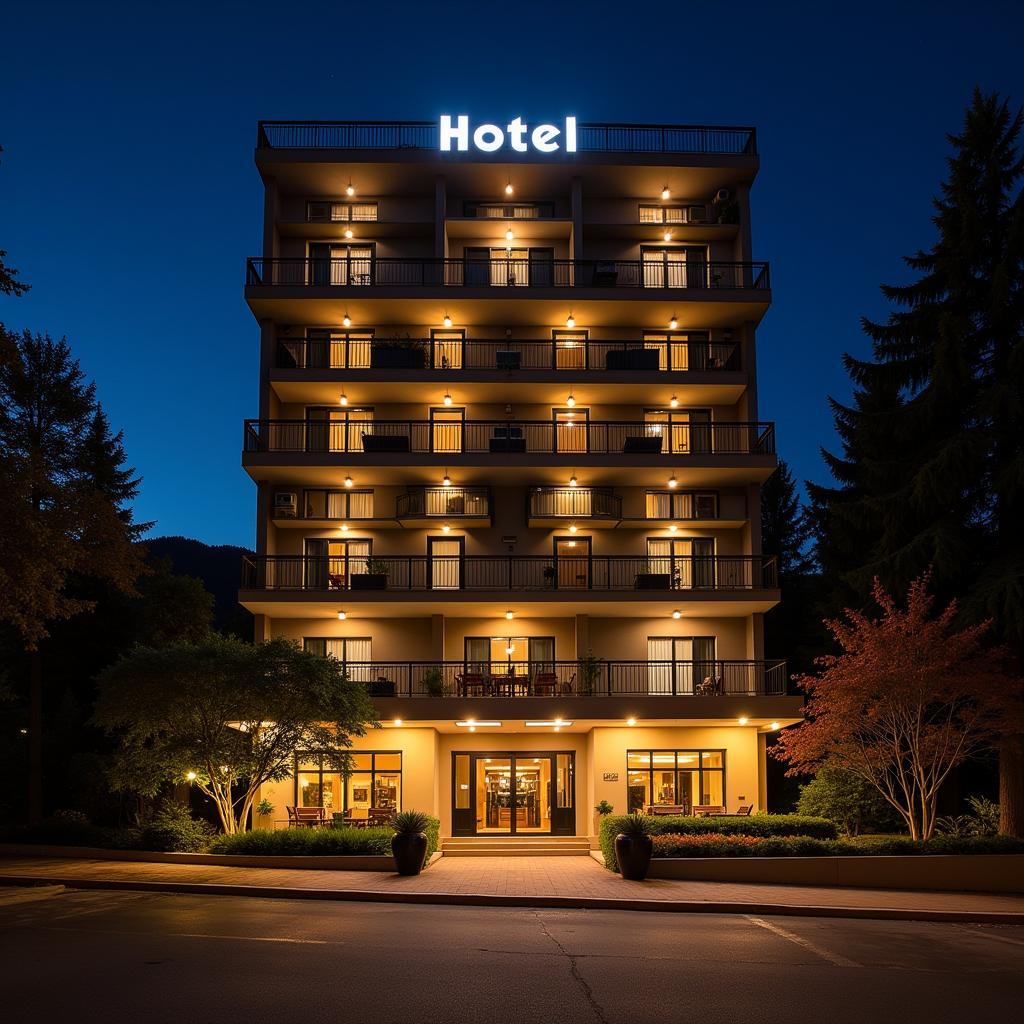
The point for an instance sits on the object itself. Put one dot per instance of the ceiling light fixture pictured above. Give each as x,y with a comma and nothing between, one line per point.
672,481
743,719
510,615
773,726
672,528
571,401
342,616
447,481
630,721
398,721
673,402
665,193
509,189
447,321
349,481
346,321
509,235
572,529
446,528
472,723
348,232
547,723
343,399
350,190
677,614
667,235
570,320
344,527
673,323
572,481
447,398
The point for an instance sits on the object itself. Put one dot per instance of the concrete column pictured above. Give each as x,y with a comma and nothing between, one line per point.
437,638
582,635
762,772
744,245
261,628
440,214
576,240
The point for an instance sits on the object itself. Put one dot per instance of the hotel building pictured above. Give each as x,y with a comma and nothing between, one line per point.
508,463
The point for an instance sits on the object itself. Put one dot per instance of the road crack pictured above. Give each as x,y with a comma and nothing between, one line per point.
588,993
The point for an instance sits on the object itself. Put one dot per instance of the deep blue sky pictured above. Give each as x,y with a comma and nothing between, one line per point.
128,196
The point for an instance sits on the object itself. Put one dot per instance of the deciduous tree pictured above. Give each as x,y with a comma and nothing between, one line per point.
907,699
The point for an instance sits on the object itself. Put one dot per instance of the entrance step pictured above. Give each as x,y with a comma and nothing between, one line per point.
515,846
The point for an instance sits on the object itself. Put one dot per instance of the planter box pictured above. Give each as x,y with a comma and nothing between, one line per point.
653,581
632,359
382,688
385,443
396,358
368,581
970,872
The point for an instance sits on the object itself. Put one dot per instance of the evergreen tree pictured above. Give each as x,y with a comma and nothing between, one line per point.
784,528
64,514
932,470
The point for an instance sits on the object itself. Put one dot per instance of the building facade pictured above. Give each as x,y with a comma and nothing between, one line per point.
508,462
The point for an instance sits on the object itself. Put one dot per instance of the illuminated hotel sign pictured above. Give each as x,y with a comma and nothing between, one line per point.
488,138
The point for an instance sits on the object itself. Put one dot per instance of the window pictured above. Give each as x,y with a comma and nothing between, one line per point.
327,348
334,263
682,267
502,654
509,211
681,505
688,561
352,651
682,430
680,350
672,214
331,564
690,778
571,429
680,664
447,349
570,349
341,504
375,780
336,429
319,211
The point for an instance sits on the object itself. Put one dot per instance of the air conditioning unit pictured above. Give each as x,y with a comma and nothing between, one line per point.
723,195
286,504
705,506
696,214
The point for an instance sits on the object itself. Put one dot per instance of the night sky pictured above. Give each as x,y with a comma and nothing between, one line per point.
129,199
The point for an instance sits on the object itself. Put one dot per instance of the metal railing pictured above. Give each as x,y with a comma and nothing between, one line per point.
354,352
573,503
573,574
591,677
444,502
590,137
387,272
577,437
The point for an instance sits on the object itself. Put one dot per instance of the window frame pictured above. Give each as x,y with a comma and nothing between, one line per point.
320,771
676,751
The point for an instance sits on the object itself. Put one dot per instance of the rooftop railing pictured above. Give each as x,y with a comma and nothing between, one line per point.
559,679
578,437
572,574
590,138
408,272
452,355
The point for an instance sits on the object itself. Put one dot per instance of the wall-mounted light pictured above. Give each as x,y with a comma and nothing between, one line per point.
570,320
342,616
346,321
672,528
510,615
630,721
665,192
677,614
446,528
572,529
398,721
349,481
672,481
350,190
447,321
673,323
773,726
743,719
344,527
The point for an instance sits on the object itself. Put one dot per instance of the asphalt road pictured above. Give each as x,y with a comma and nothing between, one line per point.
112,957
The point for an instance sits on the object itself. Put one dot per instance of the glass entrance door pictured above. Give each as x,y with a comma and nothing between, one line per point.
513,794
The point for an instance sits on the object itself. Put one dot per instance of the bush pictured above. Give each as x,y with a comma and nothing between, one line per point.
846,799
320,841
174,830
754,825
65,828
983,820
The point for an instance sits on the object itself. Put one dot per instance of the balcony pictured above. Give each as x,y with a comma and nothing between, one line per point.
501,276
553,506
424,135
591,678
456,506
457,357
567,576
573,439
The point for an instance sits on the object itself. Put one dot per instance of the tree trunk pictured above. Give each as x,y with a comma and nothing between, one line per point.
1011,787
35,738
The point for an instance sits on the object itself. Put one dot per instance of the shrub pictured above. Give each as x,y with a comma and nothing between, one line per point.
65,828
853,804
983,820
174,830
754,825
321,841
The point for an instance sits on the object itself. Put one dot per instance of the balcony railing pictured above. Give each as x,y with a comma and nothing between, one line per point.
588,678
381,272
572,438
590,138
573,503
348,352
444,502
508,573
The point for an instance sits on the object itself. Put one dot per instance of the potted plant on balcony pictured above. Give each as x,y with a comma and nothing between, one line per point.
375,577
397,353
549,572
409,843
433,681
634,847
589,669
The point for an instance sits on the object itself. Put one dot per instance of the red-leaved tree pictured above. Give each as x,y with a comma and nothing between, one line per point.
906,701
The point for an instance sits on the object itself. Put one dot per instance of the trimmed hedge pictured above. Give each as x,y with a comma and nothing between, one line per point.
319,842
755,825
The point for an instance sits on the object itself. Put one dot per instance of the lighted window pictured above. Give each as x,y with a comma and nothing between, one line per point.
685,778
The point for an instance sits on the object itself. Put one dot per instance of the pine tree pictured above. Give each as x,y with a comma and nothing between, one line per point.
932,471
64,513
784,529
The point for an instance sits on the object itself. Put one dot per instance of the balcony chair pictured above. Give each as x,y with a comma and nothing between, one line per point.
545,684
568,688
471,684
710,686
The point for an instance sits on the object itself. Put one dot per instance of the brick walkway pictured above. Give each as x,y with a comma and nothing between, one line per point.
548,880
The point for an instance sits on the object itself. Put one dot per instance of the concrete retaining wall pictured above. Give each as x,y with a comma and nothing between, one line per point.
326,863
964,873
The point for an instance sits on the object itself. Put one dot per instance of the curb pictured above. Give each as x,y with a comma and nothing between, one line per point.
549,902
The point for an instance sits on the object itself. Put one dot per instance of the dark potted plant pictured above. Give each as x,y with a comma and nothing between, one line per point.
409,843
634,847
397,353
433,681
375,577
550,572
589,669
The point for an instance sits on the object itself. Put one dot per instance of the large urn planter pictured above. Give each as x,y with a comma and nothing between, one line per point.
409,843
634,848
